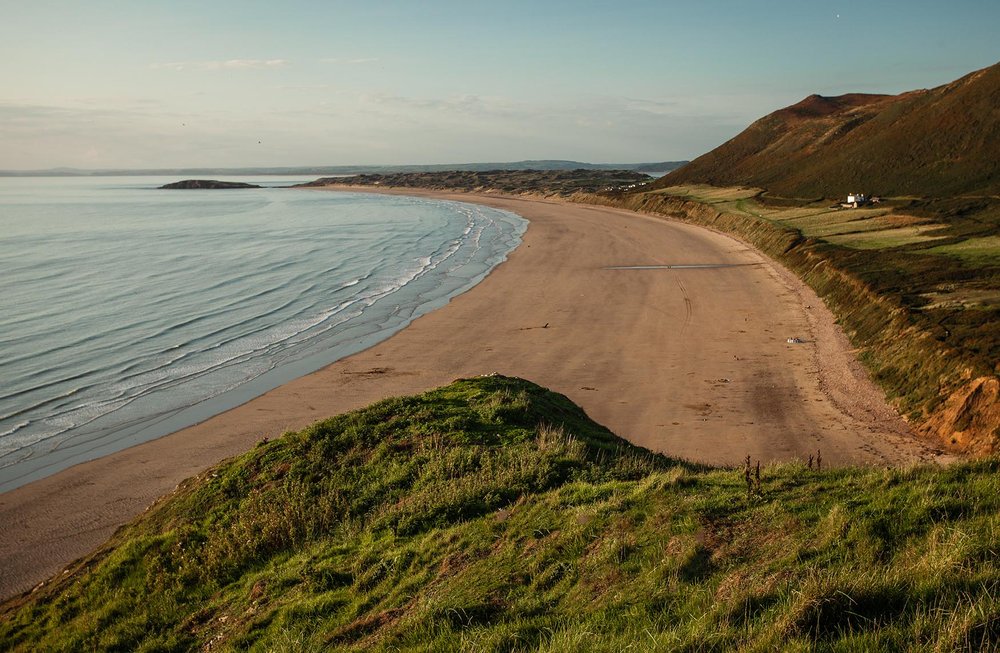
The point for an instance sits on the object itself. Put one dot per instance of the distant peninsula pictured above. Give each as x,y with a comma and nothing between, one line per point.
212,184
546,182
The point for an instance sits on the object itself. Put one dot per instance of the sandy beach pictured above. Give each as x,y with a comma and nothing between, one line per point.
597,304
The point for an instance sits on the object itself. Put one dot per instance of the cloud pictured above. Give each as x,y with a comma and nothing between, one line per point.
655,107
43,117
461,104
307,87
355,61
228,64
331,123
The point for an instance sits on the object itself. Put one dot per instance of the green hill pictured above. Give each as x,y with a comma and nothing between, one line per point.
493,515
940,142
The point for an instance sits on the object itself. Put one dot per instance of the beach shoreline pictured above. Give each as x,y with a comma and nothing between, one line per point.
693,363
359,308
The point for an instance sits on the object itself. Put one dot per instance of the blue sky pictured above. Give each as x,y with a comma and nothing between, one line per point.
169,84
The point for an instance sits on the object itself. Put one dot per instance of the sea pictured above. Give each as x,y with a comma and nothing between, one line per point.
128,312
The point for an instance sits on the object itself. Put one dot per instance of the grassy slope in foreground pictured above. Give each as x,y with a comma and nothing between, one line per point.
494,515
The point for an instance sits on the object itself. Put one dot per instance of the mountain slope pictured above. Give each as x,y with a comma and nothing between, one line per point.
928,143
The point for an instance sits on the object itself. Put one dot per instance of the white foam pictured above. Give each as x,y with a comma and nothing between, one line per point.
373,288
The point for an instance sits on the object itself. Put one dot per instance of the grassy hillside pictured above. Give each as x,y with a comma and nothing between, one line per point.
941,142
492,515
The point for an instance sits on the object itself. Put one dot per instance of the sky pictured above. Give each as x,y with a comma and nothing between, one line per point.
147,84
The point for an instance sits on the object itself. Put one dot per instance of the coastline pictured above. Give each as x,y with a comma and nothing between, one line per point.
497,233
697,367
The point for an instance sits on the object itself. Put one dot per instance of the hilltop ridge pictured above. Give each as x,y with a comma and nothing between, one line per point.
924,143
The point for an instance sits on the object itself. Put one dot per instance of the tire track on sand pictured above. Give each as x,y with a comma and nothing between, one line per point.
688,306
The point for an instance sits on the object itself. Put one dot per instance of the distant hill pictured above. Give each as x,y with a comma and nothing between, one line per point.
548,182
660,167
928,143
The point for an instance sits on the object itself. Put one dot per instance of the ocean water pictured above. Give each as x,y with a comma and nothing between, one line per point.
128,312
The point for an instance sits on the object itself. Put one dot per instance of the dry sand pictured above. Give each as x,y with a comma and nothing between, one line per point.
689,362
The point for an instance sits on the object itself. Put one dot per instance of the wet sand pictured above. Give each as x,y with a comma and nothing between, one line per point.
689,361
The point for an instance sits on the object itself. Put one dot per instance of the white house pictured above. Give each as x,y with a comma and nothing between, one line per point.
854,200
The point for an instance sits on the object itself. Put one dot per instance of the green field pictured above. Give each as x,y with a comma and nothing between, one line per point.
984,250
862,228
492,515
876,238
710,194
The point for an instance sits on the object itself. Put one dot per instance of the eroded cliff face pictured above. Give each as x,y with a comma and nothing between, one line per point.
925,379
969,419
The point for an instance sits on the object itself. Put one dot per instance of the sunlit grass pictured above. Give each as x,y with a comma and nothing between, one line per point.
881,239
863,228
837,221
977,250
710,194
492,515
965,297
